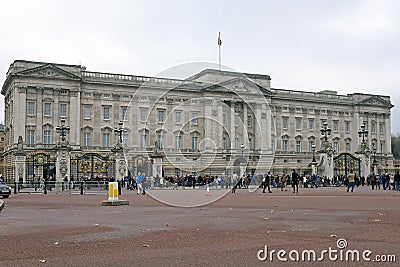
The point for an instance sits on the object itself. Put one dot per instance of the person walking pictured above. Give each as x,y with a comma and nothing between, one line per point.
295,181
266,182
372,180
397,181
351,181
139,182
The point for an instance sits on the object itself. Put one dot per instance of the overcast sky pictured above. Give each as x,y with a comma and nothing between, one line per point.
347,46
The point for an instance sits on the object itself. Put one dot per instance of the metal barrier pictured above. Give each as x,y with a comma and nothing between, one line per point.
51,187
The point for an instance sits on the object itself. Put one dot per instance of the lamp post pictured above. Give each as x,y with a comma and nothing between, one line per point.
313,153
242,163
325,131
63,130
242,147
118,131
363,133
374,162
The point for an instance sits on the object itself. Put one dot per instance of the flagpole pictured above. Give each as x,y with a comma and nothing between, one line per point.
219,54
219,49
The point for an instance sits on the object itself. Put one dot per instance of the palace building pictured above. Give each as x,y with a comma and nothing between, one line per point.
212,123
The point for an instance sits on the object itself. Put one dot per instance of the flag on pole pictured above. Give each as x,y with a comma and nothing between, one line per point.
219,39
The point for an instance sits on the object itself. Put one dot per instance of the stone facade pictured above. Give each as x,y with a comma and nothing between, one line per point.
209,123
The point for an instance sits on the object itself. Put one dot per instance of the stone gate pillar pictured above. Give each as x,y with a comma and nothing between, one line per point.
20,163
121,166
365,165
326,164
63,163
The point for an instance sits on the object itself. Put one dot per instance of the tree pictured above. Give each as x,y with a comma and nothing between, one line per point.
396,146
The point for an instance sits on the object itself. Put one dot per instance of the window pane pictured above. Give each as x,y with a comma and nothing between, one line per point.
178,117
86,110
106,139
63,110
31,108
46,137
106,113
143,114
47,109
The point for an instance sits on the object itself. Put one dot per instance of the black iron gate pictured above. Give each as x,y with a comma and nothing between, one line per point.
40,166
91,166
345,162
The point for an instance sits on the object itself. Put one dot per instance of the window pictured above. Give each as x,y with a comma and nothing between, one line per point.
47,109
161,116
285,146
31,108
298,146
46,137
86,112
273,145
381,128
348,146
86,94
160,141
106,95
63,110
236,120
86,139
178,141
250,143
298,124
236,143
125,136
194,118
249,121
31,137
224,142
373,127
284,122
194,142
143,114
124,114
106,139
310,124
335,126
223,119
106,113
336,146
178,115
143,141
310,146
347,126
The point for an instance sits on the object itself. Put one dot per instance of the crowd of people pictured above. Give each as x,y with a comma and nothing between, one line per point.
265,181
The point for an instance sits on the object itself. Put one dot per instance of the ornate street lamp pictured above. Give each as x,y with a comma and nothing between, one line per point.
63,130
325,131
374,155
313,153
242,147
363,133
118,131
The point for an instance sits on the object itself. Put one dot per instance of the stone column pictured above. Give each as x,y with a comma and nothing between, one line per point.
121,169
20,164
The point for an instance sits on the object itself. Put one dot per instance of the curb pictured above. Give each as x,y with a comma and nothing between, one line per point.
1,204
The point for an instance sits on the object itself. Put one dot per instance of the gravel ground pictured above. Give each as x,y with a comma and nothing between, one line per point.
75,230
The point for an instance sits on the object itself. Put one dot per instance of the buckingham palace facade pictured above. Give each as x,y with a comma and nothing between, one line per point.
210,123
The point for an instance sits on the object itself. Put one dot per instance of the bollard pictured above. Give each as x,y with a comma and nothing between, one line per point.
45,187
119,187
81,187
15,187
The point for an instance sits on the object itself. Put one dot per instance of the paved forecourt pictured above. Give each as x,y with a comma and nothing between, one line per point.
72,230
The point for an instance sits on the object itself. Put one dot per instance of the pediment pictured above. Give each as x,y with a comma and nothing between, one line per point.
376,101
48,71
237,85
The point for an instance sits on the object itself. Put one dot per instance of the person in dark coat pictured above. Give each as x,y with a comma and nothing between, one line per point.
295,181
266,182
